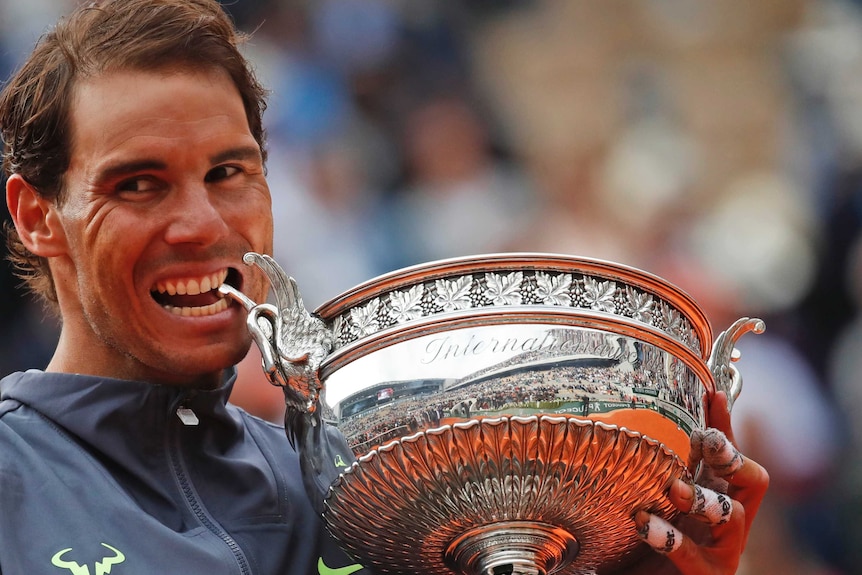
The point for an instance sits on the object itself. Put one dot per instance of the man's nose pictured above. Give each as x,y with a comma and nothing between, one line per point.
194,218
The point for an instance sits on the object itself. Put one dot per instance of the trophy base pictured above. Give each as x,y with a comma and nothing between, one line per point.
512,547
497,496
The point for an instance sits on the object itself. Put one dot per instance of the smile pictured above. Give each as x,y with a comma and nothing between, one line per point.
192,296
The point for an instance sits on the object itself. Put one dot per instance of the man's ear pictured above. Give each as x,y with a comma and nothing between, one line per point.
36,218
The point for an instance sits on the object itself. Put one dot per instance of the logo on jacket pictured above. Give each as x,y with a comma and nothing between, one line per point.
103,567
323,569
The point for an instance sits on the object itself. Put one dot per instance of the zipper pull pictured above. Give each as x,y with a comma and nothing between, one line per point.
187,416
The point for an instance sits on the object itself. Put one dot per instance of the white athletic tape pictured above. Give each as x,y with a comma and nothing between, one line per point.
715,507
717,451
660,535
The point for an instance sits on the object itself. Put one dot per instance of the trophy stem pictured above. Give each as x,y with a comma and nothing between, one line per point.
512,548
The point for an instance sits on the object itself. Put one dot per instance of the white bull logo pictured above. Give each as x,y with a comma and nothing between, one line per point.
103,567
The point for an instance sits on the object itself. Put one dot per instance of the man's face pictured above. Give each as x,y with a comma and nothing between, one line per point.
164,194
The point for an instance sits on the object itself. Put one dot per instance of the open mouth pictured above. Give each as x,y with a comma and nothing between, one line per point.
195,296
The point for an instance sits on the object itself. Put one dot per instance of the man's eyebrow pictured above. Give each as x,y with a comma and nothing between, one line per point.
238,153
119,169
122,168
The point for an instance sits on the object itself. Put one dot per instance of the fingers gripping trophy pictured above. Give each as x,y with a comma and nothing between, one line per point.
505,413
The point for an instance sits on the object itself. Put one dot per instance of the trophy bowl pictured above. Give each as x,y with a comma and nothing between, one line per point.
509,413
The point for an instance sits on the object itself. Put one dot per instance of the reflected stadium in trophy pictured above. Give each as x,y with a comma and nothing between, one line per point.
503,413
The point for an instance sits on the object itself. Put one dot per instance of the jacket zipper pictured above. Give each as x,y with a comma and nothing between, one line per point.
174,441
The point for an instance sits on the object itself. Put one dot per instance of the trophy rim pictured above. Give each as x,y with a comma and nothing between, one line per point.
578,318
523,261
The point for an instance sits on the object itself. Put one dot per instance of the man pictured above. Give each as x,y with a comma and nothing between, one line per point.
134,151
134,155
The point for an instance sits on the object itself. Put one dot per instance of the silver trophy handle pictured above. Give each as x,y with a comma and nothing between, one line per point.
724,352
293,343
261,321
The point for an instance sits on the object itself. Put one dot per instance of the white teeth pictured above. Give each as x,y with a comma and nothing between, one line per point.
206,310
192,286
195,286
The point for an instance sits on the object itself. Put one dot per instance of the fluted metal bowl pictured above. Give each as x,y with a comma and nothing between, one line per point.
510,412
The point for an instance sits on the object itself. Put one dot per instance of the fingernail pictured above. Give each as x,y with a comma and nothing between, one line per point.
641,520
683,489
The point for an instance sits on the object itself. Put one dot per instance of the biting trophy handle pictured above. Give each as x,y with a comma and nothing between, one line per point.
293,343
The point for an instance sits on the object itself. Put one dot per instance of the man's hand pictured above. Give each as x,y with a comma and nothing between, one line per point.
710,537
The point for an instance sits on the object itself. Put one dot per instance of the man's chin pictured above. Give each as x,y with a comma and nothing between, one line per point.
205,371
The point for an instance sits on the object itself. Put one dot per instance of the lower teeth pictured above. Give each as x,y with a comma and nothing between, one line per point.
205,310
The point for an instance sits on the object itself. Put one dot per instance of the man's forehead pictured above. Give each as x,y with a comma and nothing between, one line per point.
133,76
124,103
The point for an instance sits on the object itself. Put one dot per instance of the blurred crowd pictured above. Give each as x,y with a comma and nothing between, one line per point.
716,143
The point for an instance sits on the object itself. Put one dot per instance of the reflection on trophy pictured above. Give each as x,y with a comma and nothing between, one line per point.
505,413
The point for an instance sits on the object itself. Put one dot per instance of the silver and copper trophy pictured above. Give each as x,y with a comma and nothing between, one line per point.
496,414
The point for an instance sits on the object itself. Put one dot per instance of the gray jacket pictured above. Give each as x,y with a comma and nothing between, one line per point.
101,476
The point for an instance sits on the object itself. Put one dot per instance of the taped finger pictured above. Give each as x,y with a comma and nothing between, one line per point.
722,457
658,533
716,508
710,480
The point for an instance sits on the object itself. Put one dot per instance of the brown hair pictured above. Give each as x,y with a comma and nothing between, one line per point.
101,37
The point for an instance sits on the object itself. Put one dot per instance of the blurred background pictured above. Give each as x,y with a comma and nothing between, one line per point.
716,143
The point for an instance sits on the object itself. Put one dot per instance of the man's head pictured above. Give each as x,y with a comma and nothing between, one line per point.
102,37
136,184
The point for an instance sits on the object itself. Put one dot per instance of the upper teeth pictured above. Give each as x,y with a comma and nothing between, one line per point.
192,286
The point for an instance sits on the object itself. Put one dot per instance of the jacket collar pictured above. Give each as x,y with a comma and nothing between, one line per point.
92,407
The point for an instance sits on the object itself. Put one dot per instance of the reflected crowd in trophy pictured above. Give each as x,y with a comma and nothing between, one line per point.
598,375
717,144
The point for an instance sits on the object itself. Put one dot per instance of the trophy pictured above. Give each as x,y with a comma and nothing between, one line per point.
495,414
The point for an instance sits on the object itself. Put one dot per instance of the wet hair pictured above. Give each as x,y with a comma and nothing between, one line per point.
105,36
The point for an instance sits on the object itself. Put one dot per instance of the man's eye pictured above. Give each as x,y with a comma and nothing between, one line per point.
221,173
137,185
